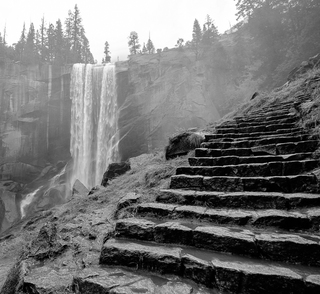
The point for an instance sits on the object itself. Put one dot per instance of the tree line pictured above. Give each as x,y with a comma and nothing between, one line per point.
274,36
53,43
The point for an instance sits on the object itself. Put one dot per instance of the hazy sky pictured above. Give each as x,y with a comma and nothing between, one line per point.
113,20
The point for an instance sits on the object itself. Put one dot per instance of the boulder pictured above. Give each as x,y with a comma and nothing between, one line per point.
79,189
114,170
183,143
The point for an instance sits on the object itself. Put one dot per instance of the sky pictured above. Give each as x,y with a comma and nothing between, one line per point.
113,20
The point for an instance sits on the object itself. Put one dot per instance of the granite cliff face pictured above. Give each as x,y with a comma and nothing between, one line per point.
34,129
159,95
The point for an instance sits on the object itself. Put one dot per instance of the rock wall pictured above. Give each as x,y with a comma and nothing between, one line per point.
34,126
159,95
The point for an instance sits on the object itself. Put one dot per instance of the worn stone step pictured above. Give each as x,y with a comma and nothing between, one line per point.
287,138
246,200
252,136
261,218
112,280
216,271
268,129
258,130
286,184
266,118
233,123
229,160
276,168
293,248
283,145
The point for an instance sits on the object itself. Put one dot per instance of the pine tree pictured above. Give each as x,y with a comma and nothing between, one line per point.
30,55
133,43
86,55
73,30
196,37
50,43
144,49
76,39
209,33
150,46
20,46
107,57
59,44
42,41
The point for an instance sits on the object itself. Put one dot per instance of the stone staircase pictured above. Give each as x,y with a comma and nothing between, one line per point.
244,217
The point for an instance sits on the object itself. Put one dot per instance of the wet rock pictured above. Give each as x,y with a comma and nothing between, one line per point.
171,232
135,228
225,240
47,243
155,209
114,170
94,189
14,282
128,200
43,280
163,260
79,189
237,277
313,284
198,270
118,281
289,247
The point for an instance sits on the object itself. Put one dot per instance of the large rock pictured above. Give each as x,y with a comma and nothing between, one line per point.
159,95
114,170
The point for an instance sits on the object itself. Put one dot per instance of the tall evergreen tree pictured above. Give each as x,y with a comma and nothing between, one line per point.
133,43
42,40
30,53
59,44
76,38
20,46
150,46
107,56
209,33
196,37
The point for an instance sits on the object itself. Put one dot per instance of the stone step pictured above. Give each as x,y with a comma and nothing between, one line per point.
215,270
268,129
246,200
252,136
257,132
112,280
266,118
286,184
272,146
231,160
261,218
268,169
233,123
266,111
292,248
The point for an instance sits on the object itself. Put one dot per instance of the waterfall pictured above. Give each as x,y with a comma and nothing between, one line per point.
27,201
94,115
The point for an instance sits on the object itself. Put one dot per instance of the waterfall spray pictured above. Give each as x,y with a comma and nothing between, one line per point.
94,116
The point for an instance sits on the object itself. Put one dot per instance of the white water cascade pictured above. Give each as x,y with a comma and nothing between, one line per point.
94,116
